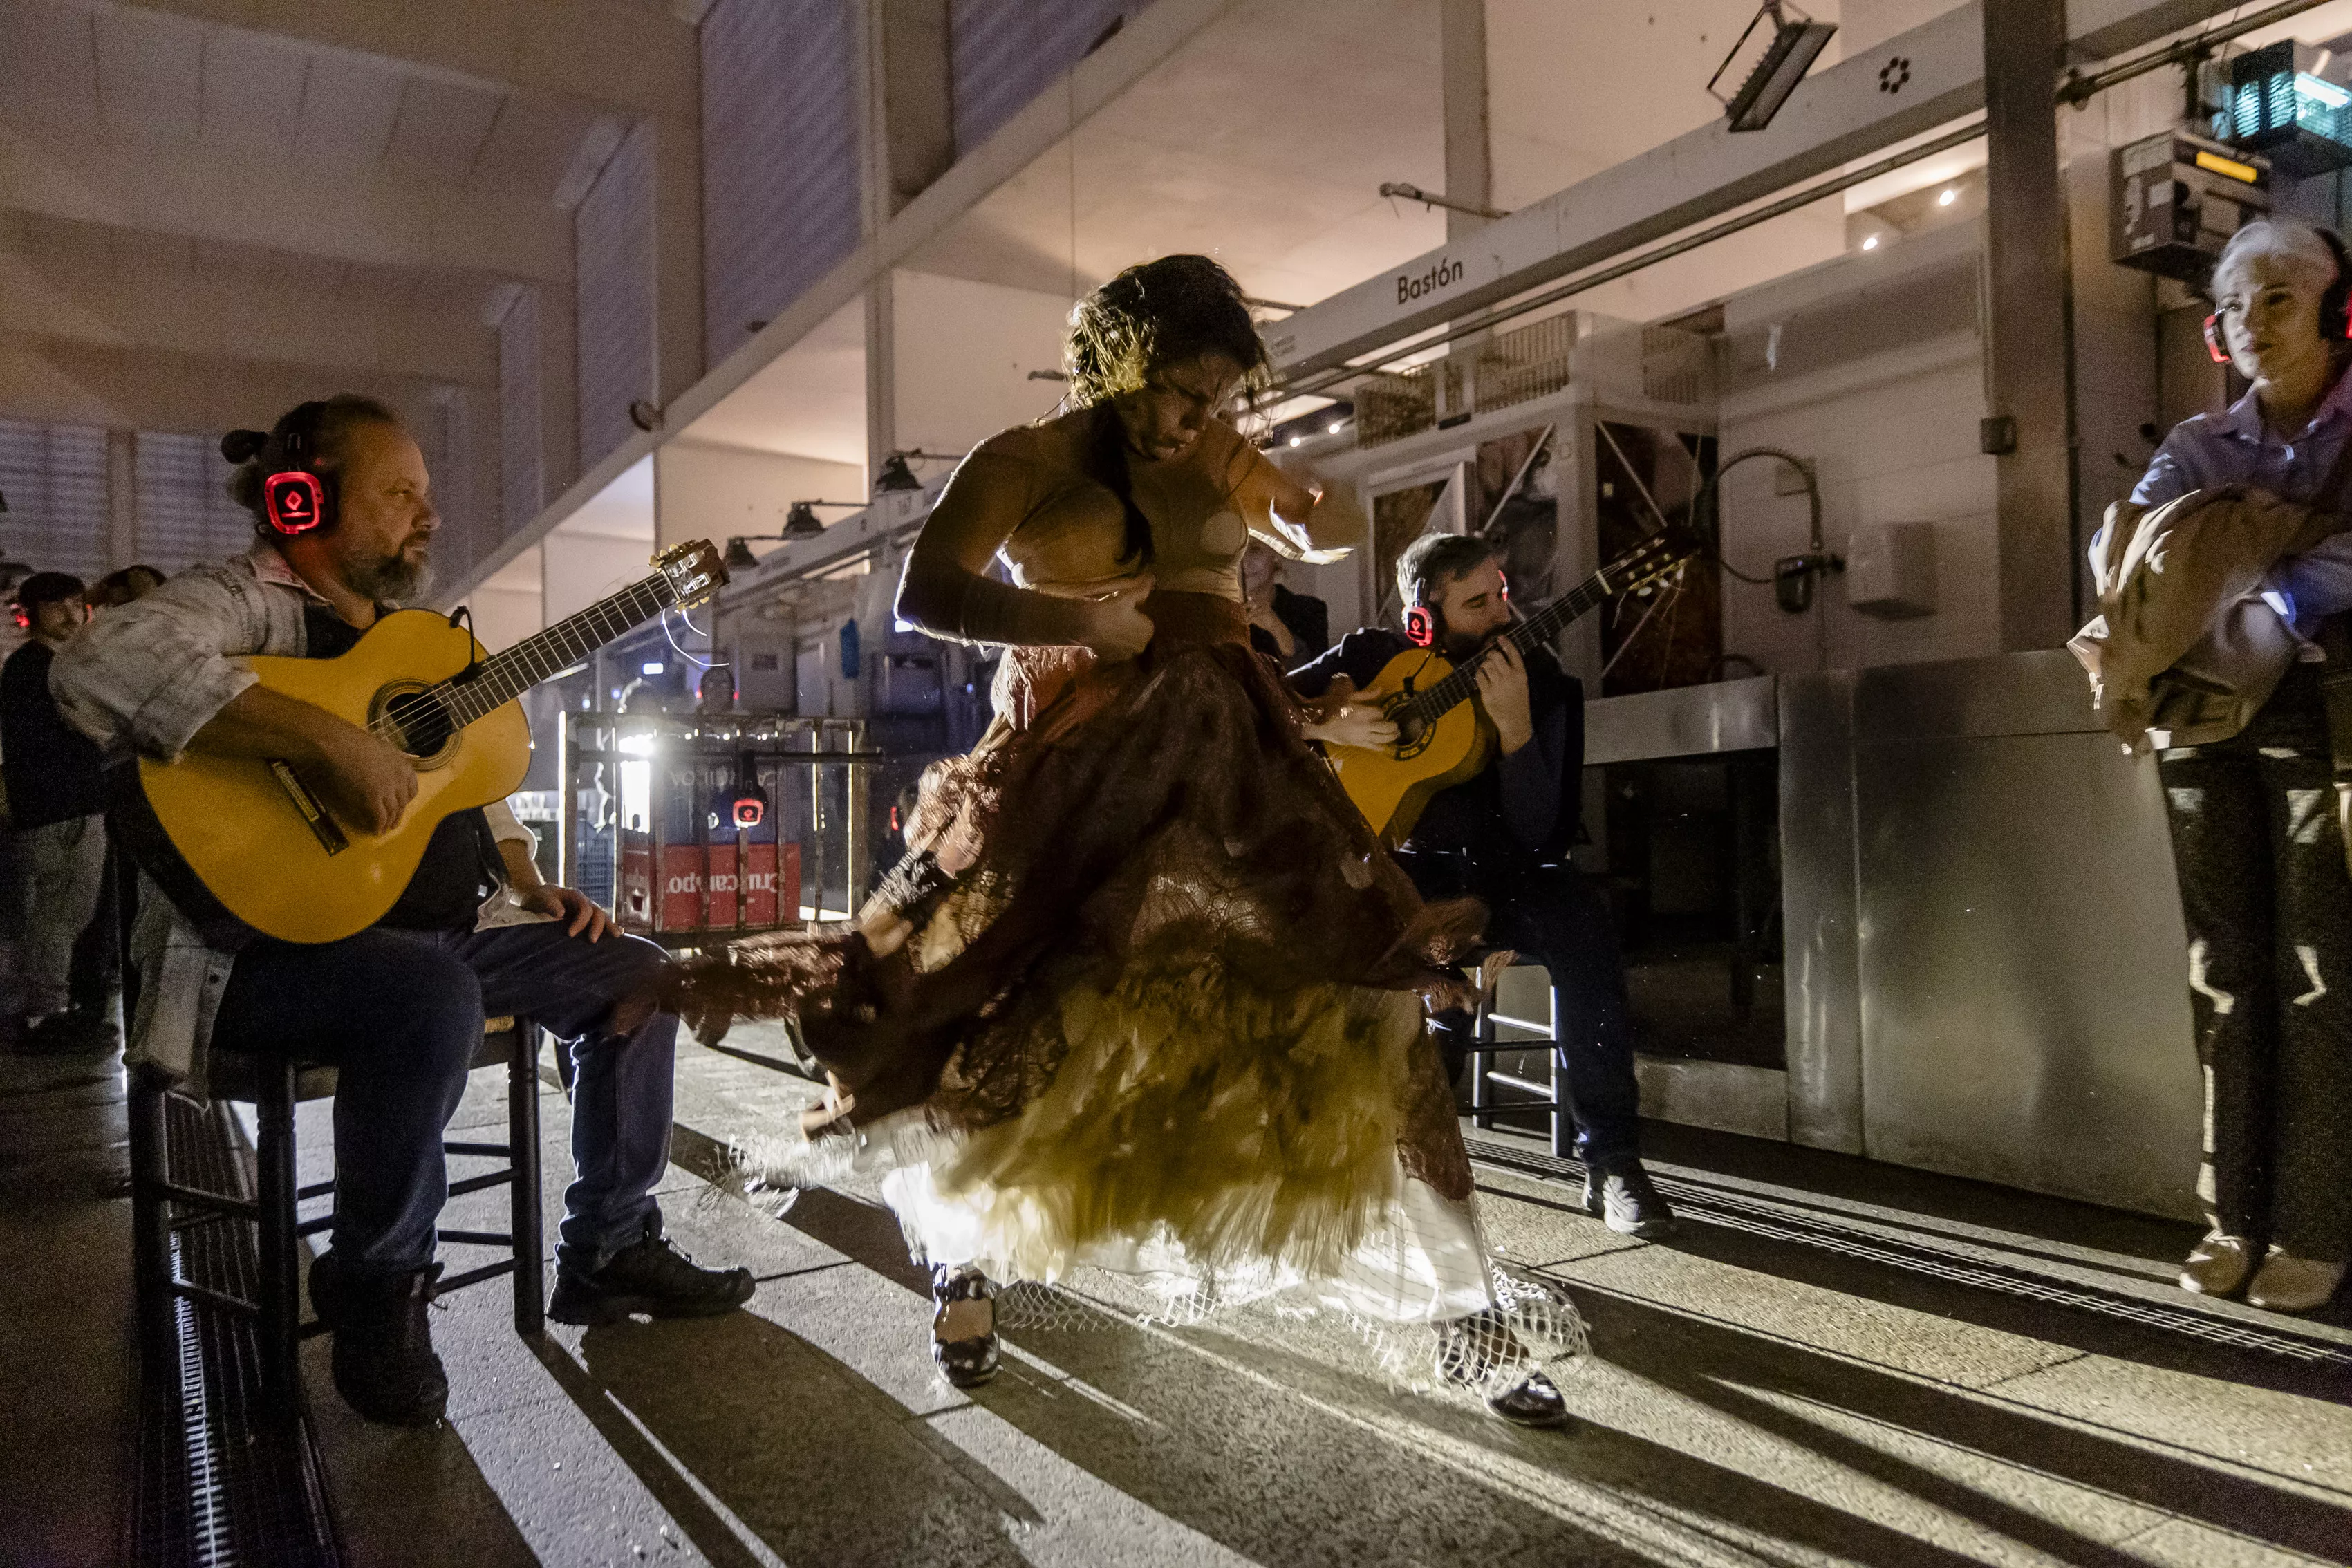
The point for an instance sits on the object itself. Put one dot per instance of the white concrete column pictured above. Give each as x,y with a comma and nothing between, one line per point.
121,498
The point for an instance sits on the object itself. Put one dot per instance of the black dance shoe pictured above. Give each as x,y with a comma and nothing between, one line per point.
1624,1200
1481,1352
648,1276
963,1325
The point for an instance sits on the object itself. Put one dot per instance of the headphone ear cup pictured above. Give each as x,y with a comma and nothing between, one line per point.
1419,627
2214,338
295,502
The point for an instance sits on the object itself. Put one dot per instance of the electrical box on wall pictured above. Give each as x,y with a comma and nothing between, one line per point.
2178,198
1891,570
761,652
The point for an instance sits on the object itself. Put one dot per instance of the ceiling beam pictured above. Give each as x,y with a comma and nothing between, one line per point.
135,388
77,170
183,308
606,53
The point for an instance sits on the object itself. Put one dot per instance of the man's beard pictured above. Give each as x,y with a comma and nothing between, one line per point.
389,580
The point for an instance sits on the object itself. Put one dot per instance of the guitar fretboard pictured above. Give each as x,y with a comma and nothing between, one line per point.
503,676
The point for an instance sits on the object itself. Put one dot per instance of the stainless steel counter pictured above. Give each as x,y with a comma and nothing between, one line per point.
1985,967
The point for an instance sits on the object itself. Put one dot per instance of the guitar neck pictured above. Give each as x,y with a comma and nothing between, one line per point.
503,676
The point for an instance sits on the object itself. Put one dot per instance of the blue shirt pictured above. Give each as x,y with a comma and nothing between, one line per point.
2235,448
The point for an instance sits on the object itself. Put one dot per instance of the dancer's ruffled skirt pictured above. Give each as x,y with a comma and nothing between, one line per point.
1163,1014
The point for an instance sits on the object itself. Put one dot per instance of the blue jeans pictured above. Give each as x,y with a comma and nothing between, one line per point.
399,1015
1553,916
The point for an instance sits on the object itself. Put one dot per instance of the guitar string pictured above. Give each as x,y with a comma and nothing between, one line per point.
535,659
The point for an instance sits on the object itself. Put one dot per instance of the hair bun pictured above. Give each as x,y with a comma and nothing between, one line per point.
243,445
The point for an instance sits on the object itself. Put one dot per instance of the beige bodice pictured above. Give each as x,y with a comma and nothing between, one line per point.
1068,543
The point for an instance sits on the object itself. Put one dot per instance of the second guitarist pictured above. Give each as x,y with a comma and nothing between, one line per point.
1503,835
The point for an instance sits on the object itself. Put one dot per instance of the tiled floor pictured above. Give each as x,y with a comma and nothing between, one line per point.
1748,1401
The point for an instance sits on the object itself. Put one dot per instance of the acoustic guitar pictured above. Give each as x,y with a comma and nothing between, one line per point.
1442,737
244,844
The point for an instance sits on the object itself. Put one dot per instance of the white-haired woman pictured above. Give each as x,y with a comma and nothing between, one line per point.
2263,888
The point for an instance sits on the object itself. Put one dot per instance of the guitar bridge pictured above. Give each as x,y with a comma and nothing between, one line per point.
314,811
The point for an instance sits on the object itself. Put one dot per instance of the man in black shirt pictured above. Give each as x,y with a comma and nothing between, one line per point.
54,806
1503,836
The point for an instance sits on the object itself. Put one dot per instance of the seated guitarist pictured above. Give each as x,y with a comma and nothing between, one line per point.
398,1008
1502,837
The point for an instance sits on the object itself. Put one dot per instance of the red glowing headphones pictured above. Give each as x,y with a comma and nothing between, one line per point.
1421,623
22,616
296,497
2335,305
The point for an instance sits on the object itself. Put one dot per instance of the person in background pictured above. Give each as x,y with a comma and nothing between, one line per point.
122,586
55,804
1289,628
2264,889
1503,838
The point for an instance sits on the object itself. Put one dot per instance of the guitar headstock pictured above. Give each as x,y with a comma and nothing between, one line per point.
696,571
1658,556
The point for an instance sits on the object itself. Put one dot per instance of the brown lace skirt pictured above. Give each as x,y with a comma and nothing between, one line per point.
1171,979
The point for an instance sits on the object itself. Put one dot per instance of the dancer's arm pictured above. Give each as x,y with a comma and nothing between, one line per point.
945,589
1298,514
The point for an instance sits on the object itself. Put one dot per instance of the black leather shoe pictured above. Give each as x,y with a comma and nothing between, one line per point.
652,1276
1624,1201
1481,1352
963,1325
383,1360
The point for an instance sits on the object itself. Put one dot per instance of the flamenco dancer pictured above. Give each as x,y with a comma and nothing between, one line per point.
1146,994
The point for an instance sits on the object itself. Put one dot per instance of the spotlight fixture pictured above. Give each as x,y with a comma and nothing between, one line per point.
1774,64
1950,195
800,522
896,475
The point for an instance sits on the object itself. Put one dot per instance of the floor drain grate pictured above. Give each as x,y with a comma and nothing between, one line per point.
218,1483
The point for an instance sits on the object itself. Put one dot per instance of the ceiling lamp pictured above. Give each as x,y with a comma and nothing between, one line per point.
1774,63
800,522
896,475
738,555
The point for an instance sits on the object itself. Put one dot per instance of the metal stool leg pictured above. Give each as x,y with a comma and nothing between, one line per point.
279,1298
1563,1124
523,1141
1481,1059
151,1233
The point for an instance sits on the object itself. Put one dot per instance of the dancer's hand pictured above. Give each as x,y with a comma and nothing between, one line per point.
1117,625
1355,724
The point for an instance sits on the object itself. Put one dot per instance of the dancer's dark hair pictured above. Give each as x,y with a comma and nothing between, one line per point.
1153,315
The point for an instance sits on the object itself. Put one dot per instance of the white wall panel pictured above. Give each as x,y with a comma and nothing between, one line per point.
779,149
54,478
614,261
1005,52
184,515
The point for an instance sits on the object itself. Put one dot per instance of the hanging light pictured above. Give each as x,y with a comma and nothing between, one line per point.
896,475
1775,64
738,555
800,522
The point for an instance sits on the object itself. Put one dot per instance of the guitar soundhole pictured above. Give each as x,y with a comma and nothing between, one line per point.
1412,734
425,731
